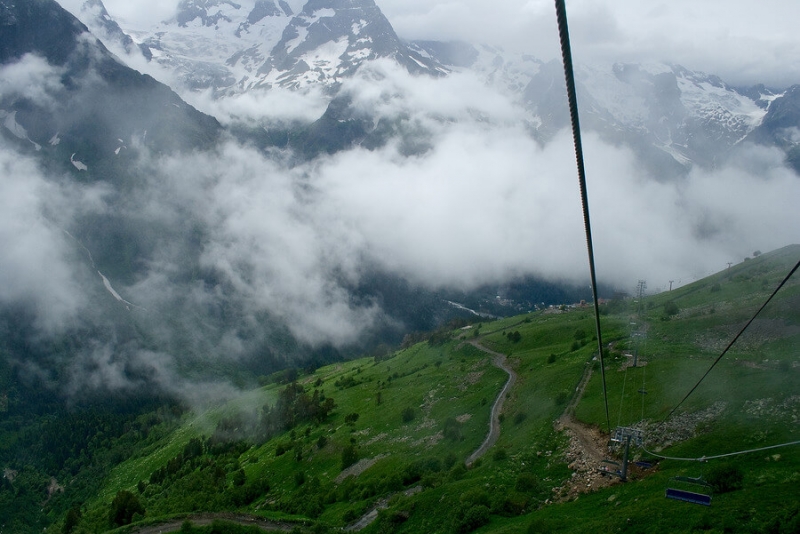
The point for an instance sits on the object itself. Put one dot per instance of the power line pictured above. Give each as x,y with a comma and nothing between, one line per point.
753,318
566,53
737,453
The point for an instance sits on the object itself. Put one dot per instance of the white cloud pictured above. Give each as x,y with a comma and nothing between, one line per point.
263,105
32,77
483,203
39,266
262,239
741,42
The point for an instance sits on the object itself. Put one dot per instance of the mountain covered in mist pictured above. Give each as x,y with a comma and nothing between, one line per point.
169,242
233,47
672,117
307,187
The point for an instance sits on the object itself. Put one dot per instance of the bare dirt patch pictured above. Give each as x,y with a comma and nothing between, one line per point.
201,520
586,451
470,380
359,467
429,441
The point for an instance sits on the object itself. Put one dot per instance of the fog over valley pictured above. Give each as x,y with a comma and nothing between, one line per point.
321,265
448,181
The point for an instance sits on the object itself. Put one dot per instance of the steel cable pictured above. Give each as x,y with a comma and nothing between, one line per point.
566,53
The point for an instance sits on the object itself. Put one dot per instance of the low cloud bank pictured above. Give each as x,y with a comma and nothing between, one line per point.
481,203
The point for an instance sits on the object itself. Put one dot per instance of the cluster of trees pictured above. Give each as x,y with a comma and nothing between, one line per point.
294,406
514,337
125,508
42,439
438,337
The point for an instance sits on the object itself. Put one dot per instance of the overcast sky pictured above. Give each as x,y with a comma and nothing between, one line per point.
741,41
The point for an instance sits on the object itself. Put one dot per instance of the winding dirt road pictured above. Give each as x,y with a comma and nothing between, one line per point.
200,520
499,361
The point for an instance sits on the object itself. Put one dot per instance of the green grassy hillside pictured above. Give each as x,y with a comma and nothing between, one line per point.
402,428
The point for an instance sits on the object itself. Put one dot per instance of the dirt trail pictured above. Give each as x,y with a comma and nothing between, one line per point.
587,449
498,360
590,439
200,520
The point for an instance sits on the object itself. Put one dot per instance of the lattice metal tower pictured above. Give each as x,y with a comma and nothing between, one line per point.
640,295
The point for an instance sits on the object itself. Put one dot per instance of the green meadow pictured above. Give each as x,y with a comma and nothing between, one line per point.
402,426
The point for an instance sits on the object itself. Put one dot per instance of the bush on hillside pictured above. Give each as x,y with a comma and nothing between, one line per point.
349,456
408,414
725,477
670,308
124,506
471,518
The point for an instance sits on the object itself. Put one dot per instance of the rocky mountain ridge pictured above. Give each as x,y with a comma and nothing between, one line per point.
672,117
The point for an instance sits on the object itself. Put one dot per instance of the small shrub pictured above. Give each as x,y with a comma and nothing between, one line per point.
500,455
349,516
408,414
468,519
351,418
551,358
526,483
449,460
452,429
322,441
458,471
725,477
349,456
670,308
124,506
475,497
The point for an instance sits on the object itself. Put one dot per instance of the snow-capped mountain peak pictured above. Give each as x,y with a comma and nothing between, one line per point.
235,46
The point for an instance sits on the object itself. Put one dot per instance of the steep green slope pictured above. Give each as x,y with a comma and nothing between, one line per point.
402,427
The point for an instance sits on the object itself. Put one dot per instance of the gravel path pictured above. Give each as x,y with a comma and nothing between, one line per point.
200,520
498,360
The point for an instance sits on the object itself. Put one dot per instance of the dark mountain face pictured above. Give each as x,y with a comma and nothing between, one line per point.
100,123
37,26
101,22
780,126
85,126
100,104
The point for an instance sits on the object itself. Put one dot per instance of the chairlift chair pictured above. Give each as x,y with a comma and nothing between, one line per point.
685,495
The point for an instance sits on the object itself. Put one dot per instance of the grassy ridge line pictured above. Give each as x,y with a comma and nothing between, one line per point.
455,380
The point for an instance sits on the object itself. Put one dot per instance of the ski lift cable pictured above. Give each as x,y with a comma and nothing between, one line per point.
753,318
644,390
569,74
622,398
716,456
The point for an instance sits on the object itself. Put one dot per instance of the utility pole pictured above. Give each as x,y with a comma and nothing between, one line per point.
670,284
729,265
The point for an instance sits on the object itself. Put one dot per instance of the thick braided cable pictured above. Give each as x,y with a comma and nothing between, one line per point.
566,52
